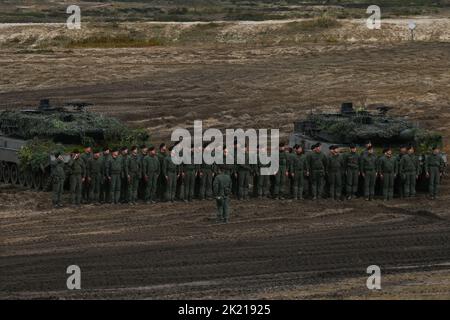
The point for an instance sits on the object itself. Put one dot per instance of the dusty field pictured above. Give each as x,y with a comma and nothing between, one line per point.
240,85
268,250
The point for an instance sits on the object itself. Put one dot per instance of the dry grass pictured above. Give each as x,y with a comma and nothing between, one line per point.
112,42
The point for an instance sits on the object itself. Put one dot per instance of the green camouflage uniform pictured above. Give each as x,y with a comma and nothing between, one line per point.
135,173
222,189
400,181
151,173
244,173
77,173
317,166
58,176
388,168
190,173
115,172
299,169
95,177
170,172
262,182
161,186
206,177
142,183
229,169
234,175
290,164
335,169
86,186
105,183
409,170
369,170
280,175
124,183
351,167
434,166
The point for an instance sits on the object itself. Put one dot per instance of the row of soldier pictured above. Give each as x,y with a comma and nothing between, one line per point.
124,176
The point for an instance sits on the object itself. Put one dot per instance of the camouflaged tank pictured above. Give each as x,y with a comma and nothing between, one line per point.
350,126
28,138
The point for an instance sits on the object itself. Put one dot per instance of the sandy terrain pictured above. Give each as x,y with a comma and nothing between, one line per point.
237,84
269,250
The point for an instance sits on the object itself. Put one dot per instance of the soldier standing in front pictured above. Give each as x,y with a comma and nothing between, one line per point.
434,168
222,190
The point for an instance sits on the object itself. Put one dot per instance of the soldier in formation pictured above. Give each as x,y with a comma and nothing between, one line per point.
114,174
77,170
94,176
143,174
335,167
281,174
171,172
317,166
352,173
434,169
134,176
261,182
151,171
58,176
387,169
86,186
369,173
299,172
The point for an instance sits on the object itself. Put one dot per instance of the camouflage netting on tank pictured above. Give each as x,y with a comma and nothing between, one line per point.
77,125
64,131
426,140
35,153
354,129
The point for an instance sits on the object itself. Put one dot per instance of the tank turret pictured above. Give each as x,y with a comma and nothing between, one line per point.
28,136
356,126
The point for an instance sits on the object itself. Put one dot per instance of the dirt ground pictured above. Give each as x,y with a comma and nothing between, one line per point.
234,86
270,249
